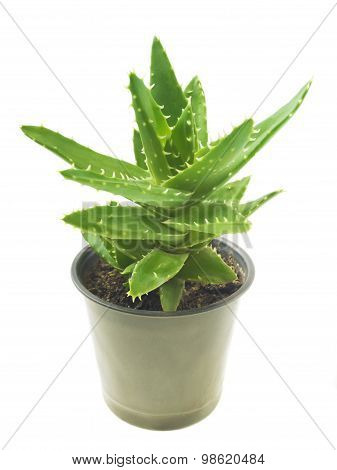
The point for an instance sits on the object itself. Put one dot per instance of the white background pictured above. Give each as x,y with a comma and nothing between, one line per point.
239,49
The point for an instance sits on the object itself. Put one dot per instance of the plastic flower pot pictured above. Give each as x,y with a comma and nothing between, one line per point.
161,370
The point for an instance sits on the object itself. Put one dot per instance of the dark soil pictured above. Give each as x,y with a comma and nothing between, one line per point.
108,284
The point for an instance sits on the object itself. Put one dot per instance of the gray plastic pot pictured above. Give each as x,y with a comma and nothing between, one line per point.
161,370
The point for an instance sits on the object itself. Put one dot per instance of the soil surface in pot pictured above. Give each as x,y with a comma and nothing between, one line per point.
108,284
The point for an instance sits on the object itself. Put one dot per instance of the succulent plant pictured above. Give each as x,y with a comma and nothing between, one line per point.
180,186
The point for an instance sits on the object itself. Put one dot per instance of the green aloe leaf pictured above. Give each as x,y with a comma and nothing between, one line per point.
130,268
195,238
210,218
195,92
103,247
83,157
193,241
150,110
137,191
230,192
212,169
138,150
181,184
101,220
207,267
249,207
153,128
261,134
183,137
123,259
164,85
135,249
204,150
170,294
266,129
153,270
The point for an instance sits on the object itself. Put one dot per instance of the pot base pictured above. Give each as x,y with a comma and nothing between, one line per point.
165,422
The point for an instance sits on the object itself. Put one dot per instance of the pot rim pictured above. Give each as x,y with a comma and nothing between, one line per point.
242,256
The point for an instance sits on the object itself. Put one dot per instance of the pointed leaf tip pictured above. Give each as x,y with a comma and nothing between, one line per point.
165,88
248,208
156,268
156,40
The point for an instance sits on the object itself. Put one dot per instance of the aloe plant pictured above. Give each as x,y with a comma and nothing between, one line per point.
180,186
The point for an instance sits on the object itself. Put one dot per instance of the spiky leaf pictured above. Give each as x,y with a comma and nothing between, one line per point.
204,150
194,239
266,129
211,170
180,184
83,157
137,191
261,134
170,294
249,207
152,126
134,249
102,221
142,97
207,267
130,268
138,150
183,136
210,218
153,270
123,259
164,85
103,247
230,192
195,92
